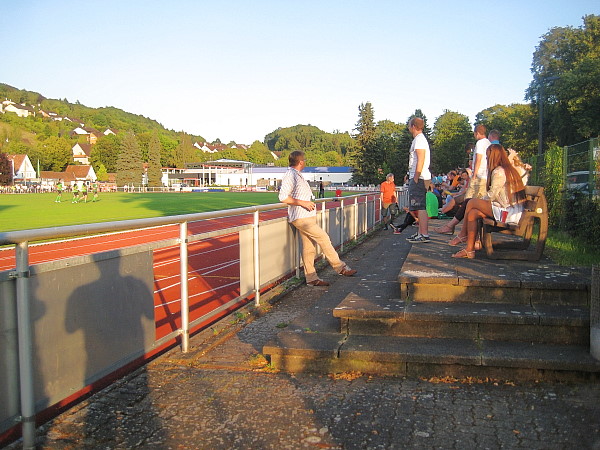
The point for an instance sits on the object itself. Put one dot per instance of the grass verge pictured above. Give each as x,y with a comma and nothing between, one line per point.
567,250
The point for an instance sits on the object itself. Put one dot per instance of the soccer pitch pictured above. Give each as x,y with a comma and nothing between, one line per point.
27,211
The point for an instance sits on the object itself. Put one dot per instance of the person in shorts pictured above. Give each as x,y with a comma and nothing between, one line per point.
59,189
419,178
388,198
478,184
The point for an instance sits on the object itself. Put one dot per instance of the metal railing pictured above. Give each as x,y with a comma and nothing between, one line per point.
357,214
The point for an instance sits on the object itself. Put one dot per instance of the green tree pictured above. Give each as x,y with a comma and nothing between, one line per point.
106,152
517,124
169,148
154,167
185,152
368,155
389,140
258,153
54,154
310,139
102,173
332,159
566,70
129,164
451,131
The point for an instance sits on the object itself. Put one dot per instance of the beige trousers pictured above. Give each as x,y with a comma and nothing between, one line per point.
477,188
312,234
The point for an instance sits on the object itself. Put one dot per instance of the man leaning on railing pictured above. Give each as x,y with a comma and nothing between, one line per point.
297,194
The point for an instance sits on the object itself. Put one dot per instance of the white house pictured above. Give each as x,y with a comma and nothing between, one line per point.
207,148
23,170
20,110
81,174
82,152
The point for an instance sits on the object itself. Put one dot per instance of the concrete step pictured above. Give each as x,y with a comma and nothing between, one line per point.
430,274
427,357
550,324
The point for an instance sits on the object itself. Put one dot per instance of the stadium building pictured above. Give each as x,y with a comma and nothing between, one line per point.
243,174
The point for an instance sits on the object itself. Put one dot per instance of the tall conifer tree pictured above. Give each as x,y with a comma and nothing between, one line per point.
154,166
367,156
129,165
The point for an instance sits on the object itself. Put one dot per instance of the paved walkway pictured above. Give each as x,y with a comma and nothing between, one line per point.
223,395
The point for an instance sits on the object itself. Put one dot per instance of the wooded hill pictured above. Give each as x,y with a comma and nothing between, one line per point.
49,139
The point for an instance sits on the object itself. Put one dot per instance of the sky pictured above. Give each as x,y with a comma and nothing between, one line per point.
238,70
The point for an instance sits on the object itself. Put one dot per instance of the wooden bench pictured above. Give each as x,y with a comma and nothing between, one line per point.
535,211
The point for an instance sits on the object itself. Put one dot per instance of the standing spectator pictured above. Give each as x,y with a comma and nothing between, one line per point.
478,184
321,188
296,193
59,189
494,137
388,198
419,178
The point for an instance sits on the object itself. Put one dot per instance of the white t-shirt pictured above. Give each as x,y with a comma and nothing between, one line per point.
481,149
419,142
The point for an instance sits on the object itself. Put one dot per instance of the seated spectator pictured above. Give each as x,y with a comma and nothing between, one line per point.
451,181
454,204
409,219
503,201
432,203
522,168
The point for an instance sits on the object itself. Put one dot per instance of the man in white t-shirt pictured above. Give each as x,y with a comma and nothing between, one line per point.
419,178
478,184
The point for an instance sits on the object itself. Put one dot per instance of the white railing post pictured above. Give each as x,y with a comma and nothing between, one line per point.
183,276
366,215
342,225
25,334
355,218
256,249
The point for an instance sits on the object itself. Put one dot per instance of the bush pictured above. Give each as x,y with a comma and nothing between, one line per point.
583,218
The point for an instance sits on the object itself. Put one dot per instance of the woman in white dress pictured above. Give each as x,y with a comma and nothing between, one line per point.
503,202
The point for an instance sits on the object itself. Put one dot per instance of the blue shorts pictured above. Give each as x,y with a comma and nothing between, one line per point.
417,194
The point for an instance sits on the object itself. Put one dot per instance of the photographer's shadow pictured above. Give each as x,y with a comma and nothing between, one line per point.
114,315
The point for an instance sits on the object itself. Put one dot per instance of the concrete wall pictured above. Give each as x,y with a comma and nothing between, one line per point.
93,314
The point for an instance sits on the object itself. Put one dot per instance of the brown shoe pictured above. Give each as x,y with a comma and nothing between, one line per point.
318,283
348,272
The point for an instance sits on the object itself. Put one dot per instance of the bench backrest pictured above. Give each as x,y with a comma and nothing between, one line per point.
535,200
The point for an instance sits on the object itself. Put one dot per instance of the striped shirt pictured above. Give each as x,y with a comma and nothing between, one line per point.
294,185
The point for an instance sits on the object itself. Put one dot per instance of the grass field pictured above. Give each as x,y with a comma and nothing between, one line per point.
27,211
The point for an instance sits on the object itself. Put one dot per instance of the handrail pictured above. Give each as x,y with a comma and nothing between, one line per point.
38,234
22,238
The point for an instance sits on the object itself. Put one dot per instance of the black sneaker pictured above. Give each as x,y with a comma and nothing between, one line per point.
412,236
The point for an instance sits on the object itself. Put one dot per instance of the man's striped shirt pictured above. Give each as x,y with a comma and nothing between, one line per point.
294,185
